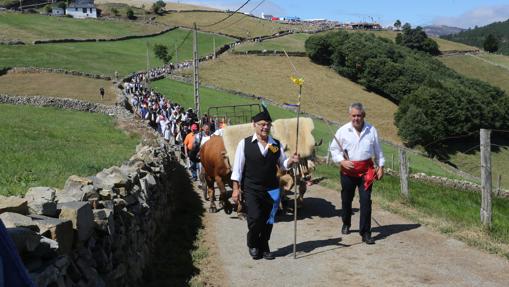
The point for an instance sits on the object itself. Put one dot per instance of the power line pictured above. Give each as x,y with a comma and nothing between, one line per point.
244,16
225,18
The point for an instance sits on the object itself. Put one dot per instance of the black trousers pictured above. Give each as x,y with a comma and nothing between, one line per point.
348,185
259,205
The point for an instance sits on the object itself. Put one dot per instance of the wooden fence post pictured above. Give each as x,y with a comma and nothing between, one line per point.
499,190
403,172
328,155
392,162
486,177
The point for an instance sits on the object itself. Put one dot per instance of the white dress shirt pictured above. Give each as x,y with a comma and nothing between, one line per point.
240,158
360,147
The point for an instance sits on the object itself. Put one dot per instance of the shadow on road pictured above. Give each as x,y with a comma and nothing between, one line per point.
313,207
311,245
385,231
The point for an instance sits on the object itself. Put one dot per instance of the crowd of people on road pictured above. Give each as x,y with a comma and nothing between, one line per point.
176,124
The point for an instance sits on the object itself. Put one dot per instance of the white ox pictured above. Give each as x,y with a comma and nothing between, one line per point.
285,131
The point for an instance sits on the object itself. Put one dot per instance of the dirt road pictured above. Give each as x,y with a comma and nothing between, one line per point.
405,253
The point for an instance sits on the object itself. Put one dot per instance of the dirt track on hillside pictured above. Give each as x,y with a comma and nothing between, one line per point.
405,253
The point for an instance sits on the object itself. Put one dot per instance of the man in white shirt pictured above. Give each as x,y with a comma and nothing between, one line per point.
353,147
254,171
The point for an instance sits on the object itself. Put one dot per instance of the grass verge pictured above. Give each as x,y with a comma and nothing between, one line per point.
44,146
450,211
107,57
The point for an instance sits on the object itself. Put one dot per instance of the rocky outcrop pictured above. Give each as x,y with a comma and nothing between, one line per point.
98,230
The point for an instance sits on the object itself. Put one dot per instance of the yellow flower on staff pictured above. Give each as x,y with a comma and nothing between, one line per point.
297,81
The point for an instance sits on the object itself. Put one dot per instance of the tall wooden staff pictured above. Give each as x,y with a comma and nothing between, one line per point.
299,82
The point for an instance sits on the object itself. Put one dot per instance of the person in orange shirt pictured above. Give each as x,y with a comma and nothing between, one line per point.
188,146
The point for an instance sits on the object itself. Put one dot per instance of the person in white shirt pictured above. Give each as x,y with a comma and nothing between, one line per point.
354,146
254,171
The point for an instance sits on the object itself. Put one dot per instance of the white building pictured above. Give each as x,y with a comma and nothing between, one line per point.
56,11
82,9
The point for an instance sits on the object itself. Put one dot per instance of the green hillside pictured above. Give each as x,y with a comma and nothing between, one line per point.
239,25
44,146
475,37
30,27
106,57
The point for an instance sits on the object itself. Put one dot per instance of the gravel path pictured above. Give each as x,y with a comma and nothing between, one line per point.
405,253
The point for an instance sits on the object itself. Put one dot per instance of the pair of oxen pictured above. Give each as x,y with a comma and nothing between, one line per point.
217,157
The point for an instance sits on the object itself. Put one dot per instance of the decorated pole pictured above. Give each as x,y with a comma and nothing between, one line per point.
299,82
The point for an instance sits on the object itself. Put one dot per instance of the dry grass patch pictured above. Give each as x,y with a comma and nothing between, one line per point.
57,85
324,91
238,25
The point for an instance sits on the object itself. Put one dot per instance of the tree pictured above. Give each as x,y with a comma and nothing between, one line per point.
48,9
397,24
62,5
161,52
114,11
158,6
417,39
130,14
491,43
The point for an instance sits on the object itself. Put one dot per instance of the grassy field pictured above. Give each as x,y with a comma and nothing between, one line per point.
183,93
496,58
475,67
44,146
107,10
105,57
238,25
56,85
290,43
30,27
324,92
449,211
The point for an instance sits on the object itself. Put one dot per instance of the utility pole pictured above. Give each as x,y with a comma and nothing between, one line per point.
214,45
176,53
148,67
196,81
486,177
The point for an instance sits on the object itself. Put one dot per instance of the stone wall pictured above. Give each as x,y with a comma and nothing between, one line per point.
118,110
54,70
98,230
77,40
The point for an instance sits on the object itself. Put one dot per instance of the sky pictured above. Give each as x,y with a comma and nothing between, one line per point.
457,13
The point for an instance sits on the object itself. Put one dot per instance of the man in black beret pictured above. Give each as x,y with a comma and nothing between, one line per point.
254,172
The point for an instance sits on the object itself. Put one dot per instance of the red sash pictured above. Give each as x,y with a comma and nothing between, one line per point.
364,169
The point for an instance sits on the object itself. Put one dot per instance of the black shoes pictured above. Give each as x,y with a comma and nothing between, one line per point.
255,253
268,255
345,229
367,239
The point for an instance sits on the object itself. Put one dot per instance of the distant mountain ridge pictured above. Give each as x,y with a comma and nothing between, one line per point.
476,36
441,30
